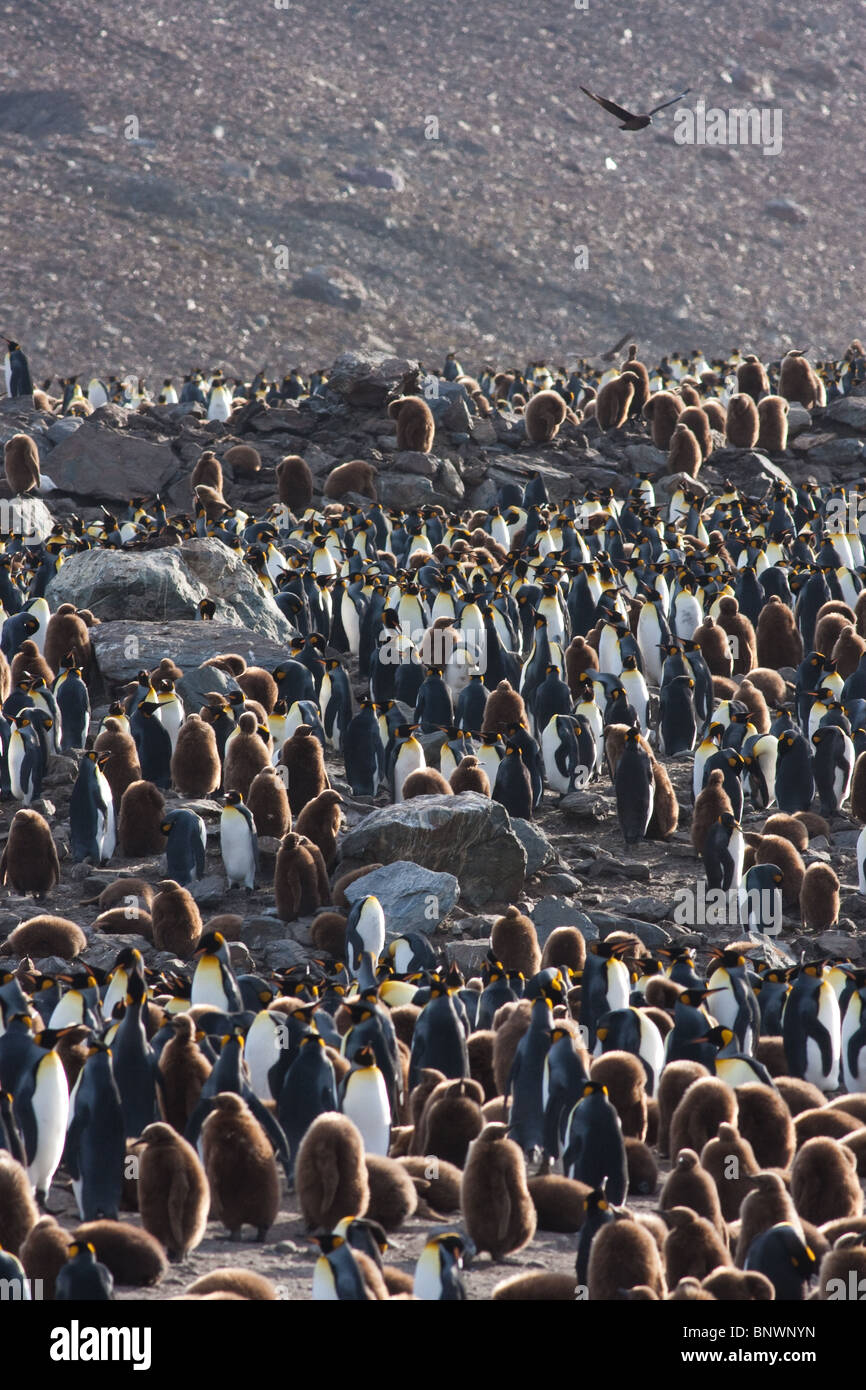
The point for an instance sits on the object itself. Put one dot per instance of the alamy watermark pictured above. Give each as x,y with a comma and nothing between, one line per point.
21,516
757,908
738,125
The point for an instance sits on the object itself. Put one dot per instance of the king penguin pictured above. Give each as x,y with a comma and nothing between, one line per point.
41,1107
239,843
811,1029
364,1099
437,1273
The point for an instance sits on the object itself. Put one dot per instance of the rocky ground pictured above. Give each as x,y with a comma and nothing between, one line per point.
568,866
274,182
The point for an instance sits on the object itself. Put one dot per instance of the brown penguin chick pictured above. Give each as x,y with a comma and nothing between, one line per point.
689,1185
712,803
298,875
662,993
706,1104
536,1287
642,385
715,648
724,688
258,684
21,460
828,629
393,1195
498,1212
184,1070
769,684
765,1122
354,476
244,1282
768,1204
467,776
177,925
342,883
739,1286
798,1095
195,762
846,1225
240,1166
229,924
443,1180
715,413
752,379
45,935
137,890
331,1178
320,822
509,1024
404,1018
245,756
142,811
125,921
847,651
328,934
688,390
302,755
625,1078
663,410
543,416
132,1255
416,428
690,1290
614,746
731,1163
294,483
243,460
18,1210
853,1104
429,1079
824,1123
579,658
29,662
173,1195
495,1111
122,767
268,802
207,472
514,942
426,781
452,1119
44,1253
29,863
675,1080
566,948
643,1173
624,1255
504,706
774,849
684,454
613,402
666,808
67,635
742,425
211,502
560,1203
798,381
789,828
819,898
693,1247
230,662
697,420
741,633
773,424
771,1053
843,1268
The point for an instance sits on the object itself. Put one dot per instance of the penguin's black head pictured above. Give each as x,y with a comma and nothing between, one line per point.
234,798
594,1088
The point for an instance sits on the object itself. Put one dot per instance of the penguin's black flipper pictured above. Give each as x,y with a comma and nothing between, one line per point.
856,1043
821,1036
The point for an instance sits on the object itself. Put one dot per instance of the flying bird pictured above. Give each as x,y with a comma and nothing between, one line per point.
630,121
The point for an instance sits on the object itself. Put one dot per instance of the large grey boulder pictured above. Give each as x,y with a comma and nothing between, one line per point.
413,898
850,411
365,378
109,466
468,836
159,585
553,912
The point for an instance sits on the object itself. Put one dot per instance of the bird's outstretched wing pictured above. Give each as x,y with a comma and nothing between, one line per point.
611,106
617,347
669,103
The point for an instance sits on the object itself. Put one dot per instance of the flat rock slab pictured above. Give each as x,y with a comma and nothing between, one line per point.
122,649
468,836
413,898
108,465
555,912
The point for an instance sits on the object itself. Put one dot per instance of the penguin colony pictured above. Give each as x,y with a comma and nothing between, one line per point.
667,1110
